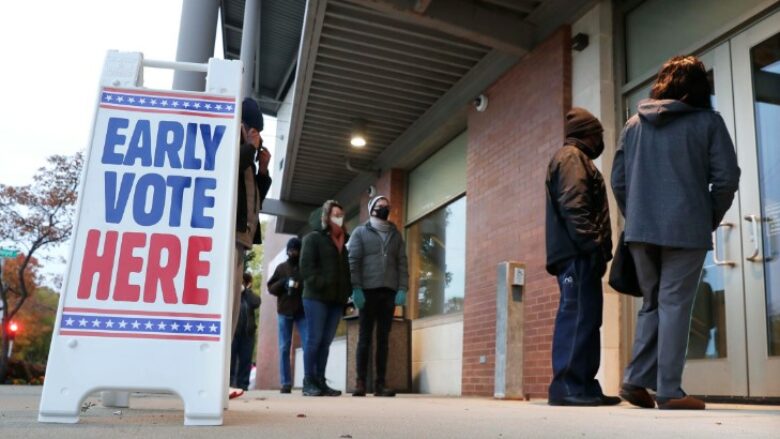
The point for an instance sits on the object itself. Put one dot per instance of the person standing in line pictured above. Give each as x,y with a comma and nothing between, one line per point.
253,184
326,288
579,245
380,277
674,177
287,285
244,338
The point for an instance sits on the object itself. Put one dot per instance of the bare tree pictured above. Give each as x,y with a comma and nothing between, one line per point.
33,217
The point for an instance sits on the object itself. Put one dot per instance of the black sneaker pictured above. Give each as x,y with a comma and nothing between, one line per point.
286,389
311,387
636,395
381,390
581,401
360,388
610,400
327,391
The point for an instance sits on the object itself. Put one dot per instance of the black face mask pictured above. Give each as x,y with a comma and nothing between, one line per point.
382,212
293,259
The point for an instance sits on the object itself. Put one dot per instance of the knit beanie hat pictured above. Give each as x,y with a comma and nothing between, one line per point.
251,115
580,123
294,244
375,200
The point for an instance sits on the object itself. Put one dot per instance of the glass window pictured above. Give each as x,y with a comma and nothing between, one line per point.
437,261
438,180
659,29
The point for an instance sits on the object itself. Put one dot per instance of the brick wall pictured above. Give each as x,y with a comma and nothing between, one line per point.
509,147
267,359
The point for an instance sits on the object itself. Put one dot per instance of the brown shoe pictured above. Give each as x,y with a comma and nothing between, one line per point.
687,402
637,396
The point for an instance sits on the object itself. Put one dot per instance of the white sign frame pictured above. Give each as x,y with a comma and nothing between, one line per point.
107,353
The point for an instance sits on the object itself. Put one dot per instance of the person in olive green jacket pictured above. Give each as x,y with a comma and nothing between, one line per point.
326,288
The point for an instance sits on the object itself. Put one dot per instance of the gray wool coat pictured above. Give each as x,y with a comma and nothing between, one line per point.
674,175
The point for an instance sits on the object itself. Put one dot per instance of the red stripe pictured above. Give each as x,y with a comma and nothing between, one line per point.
152,336
152,110
170,94
126,312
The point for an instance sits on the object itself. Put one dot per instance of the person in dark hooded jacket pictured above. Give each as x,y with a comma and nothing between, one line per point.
326,288
579,245
287,285
674,177
254,182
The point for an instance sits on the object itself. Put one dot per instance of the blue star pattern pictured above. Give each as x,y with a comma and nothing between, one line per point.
168,103
140,325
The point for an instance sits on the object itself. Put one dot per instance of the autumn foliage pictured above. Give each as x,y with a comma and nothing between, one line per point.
33,217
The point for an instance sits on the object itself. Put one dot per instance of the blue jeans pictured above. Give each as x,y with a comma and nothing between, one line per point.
285,341
322,319
576,348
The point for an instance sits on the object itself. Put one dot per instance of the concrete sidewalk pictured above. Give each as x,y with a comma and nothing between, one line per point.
261,414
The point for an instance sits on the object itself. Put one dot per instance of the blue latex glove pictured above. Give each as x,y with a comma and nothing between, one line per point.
358,298
400,298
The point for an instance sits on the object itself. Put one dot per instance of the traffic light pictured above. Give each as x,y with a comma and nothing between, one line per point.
13,328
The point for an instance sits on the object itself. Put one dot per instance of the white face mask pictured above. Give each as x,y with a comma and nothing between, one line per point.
337,220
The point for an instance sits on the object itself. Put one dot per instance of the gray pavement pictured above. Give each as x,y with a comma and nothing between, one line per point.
261,414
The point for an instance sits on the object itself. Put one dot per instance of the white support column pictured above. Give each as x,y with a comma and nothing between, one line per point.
250,36
197,34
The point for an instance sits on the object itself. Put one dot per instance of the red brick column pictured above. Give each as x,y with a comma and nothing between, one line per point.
392,184
267,359
509,147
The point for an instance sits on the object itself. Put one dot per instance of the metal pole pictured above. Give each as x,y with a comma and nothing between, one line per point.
176,65
197,34
249,42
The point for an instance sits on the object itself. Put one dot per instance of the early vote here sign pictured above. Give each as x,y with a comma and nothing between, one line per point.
151,249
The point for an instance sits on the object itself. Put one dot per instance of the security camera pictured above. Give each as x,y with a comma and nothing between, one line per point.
481,103
371,190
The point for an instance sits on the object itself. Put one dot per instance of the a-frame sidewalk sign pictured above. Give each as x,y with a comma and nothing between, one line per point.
145,302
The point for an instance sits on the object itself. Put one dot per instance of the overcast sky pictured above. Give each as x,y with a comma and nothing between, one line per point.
52,55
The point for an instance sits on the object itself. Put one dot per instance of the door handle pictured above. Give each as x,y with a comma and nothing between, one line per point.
715,251
769,254
755,232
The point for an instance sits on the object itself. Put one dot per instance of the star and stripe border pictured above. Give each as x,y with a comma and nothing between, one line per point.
140,324
189,104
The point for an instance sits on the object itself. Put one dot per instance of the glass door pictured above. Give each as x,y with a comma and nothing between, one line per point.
716,350
734,339
756,63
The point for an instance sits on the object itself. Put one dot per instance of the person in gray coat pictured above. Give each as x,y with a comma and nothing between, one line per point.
674,177
380,276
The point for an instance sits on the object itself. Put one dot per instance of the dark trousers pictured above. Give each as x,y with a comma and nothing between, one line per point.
576,349
379,307
668,278
241,360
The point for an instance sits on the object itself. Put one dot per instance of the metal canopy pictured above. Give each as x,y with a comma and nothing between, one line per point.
280,35
371,67
406,68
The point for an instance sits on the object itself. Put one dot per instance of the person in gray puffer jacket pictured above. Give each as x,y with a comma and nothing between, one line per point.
380,277
674,177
